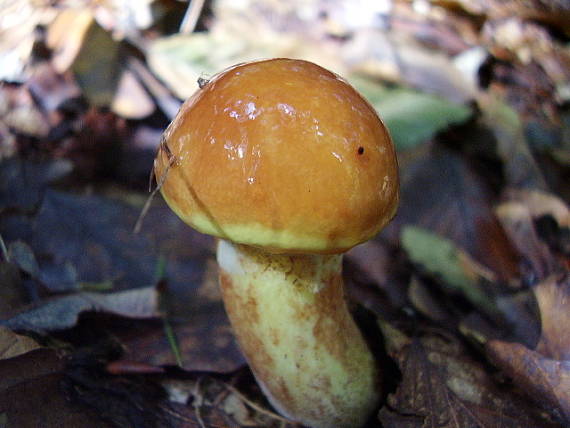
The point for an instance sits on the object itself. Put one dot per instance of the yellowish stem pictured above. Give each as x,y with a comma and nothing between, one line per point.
292,323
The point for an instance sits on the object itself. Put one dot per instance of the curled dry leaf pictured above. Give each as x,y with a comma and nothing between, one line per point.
553,296
519,213
517,222
547,381
541,203
443,387
544,373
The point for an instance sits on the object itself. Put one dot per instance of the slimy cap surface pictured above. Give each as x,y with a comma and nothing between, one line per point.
280,154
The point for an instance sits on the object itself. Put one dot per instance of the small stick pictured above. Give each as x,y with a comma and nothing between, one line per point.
191,16
199,399
161,180
4,250
256,406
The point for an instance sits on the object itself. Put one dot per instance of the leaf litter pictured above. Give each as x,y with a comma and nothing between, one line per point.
469,284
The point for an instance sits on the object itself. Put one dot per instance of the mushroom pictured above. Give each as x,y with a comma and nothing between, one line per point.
290,167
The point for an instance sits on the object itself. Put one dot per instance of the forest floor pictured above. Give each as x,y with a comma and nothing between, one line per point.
465,295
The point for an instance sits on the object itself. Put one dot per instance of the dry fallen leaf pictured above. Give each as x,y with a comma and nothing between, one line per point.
66,34
545,380
12,344
441,386
131,100
518,223
31,395
63,312
543,373
518,214
553,297
17,24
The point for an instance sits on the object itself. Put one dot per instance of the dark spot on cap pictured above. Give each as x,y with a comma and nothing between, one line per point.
360,150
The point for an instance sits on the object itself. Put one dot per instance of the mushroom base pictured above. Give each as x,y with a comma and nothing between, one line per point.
292,323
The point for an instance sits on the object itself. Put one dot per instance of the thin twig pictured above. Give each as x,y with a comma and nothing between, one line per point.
182,417
144,210
4,250
163,96
199,398
256,406
161,180
191,16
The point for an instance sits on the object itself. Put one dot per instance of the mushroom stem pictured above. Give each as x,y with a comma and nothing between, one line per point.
293,325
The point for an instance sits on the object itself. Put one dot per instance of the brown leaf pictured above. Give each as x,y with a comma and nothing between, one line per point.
425,400
443,387
30,393
545,380
66,34
372,263
541,203
425,302
553,296
12,344
518,214
555,13
34,364
205,340
518,223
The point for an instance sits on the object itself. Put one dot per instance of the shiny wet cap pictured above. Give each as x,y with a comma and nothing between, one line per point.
280,154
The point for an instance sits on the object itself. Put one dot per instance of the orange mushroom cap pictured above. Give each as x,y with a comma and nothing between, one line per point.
280,154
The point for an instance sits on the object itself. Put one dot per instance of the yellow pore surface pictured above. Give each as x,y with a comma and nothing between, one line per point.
280,154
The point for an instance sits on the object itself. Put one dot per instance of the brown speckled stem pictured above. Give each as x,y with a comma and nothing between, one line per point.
292,323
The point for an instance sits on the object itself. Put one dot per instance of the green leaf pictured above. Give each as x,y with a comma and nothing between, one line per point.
97,66
441,258
411,116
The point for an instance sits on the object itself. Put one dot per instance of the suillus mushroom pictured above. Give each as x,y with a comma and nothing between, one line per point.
289,167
